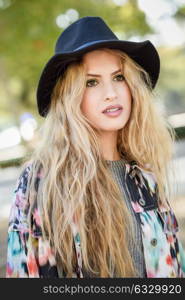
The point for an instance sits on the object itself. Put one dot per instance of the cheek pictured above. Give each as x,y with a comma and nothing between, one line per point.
89,102
129,103
127,97
86,105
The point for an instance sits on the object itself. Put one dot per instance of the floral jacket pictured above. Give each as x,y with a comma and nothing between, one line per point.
29,255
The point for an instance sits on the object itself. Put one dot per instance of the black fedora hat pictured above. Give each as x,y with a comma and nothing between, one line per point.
82,36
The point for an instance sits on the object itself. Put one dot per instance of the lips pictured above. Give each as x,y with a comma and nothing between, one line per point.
112,106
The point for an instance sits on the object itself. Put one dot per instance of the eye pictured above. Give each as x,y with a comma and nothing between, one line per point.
120,77
91,82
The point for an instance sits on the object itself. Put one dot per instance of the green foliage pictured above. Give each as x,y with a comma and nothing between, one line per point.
11,163
180,133
171,82
180,14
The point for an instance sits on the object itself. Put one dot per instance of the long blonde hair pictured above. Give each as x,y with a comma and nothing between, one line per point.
77,181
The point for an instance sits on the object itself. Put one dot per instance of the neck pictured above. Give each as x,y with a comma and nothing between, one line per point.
108,144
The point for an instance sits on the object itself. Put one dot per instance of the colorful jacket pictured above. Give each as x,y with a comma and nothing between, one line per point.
29,255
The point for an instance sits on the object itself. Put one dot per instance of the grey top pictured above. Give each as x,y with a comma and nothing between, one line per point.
118,172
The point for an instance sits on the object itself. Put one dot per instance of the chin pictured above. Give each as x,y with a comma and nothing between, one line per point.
111,129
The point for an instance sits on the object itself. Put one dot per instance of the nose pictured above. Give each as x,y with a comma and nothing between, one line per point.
110,92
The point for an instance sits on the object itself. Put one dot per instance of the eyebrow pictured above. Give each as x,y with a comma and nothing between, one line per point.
97,75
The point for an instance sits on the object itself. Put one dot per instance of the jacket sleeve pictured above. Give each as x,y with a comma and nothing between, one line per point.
21,260
182,257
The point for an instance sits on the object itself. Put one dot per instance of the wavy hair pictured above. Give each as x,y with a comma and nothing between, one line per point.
77,182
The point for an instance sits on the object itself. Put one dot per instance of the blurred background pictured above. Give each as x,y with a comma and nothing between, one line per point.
29,30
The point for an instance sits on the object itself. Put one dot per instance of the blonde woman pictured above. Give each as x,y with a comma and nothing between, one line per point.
92,199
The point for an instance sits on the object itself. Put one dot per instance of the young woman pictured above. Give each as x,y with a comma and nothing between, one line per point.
92,201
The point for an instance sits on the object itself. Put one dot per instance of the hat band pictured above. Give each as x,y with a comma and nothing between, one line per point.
94,42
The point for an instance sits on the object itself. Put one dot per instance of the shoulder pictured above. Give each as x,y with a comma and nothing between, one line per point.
144,173
20,203
22,182
30,171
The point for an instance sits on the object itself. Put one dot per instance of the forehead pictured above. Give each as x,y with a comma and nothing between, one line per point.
101,58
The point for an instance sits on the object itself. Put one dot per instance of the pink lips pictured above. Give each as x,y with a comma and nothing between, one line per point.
112,106
115,113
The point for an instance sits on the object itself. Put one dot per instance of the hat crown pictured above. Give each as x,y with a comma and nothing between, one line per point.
82,32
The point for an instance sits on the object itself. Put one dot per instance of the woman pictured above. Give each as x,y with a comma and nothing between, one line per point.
92,199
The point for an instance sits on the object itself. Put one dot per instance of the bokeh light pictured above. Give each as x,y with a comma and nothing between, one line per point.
10,137
5,4
64,20
119,2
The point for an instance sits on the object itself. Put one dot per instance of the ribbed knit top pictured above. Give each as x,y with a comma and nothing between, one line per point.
118,171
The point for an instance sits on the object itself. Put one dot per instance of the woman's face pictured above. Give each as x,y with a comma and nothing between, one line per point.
105,86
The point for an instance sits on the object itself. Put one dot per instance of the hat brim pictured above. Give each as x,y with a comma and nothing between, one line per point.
144,53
